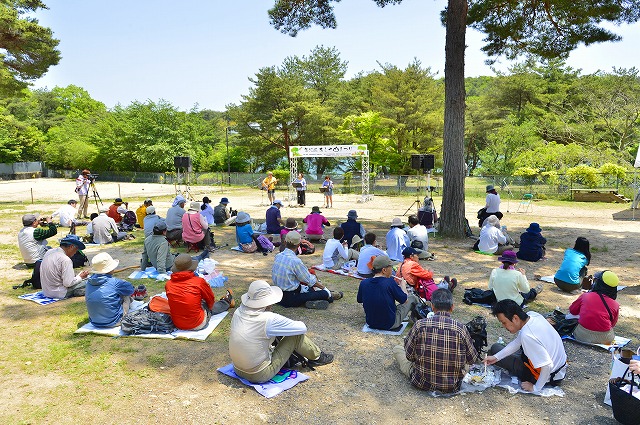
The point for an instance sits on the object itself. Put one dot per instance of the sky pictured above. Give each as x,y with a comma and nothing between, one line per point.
201,53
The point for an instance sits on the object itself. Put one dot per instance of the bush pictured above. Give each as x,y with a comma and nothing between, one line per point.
282,176
585,175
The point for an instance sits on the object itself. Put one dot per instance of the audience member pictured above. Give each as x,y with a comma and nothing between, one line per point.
156,251
315,224
397,240
273,219
337,251
597,310
573,269
56,272
32,238
352,227
105,230
150,220
419,238
367,253
141,212
532,244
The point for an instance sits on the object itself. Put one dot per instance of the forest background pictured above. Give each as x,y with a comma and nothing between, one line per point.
539,119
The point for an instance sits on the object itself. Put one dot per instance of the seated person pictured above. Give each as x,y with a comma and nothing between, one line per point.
56,272
150,220
411,270
221,213
108,298
68,213
493,239
291,225
573,269
206,210
291,275
141,212
337,252
315,223
156,251
32,238
378,296
174,219
191,299
367,253
397,240
419,235
507,283
195,229
90,226
492,206
273,219
254,328
532,244
105,230
438,349
598,310
244,229
117,210
536,355
352,227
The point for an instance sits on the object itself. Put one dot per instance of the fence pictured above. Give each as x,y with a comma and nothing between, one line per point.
513,186
21,170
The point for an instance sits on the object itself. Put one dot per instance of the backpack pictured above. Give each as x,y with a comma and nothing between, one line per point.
145,321
477,328
561,324
306,247
129,221
479,296
79,259
265,243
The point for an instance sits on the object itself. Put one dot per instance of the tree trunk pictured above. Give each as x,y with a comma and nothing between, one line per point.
452,219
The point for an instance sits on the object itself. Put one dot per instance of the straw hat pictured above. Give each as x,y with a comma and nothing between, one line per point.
103,263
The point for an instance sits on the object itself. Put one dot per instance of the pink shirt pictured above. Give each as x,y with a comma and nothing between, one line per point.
314,224
593,314
193,226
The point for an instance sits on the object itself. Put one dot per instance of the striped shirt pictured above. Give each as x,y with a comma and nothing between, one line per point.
439,347
288,271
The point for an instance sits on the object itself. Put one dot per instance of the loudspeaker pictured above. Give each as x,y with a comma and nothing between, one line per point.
428,162
183,162
416,162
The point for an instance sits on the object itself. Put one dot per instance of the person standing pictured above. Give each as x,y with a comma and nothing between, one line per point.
328,195
82,189
437,349
269,184
301,190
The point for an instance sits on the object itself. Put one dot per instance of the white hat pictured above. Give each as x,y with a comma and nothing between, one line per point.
103,208
261,294
397,221
194,206
151,210
356,240
103,263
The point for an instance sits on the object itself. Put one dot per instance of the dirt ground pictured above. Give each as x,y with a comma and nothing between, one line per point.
51,376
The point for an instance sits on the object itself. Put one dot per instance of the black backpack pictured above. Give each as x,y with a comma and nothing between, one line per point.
479,296
129,221
145,321
478,330
561,324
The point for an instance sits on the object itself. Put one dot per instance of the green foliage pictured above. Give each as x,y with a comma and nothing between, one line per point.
585,175
282,176
613,170
526,172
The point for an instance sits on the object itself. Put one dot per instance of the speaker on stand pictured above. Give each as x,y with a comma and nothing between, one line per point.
183,163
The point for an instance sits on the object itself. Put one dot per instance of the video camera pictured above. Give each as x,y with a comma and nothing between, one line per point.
92,177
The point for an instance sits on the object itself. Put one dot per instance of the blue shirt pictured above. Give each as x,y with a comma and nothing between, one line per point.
366,253
570,268
352,228
207,213
273,225
397,241
288,271
104,299
174,217
244,233
378,296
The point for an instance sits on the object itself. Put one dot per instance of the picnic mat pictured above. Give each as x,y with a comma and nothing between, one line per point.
549,279
618,341
284,380
366,328
200,335
340,272
39,298
150,273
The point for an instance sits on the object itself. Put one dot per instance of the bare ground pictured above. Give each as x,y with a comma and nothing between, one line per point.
51,376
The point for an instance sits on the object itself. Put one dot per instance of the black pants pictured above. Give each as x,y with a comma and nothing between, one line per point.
484,216
301,197
296,298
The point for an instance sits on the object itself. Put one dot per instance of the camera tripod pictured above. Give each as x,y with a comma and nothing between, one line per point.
417,202
94,194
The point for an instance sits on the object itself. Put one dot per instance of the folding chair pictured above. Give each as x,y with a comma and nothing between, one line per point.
526,203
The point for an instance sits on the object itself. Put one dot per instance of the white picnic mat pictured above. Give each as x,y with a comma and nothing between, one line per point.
366,328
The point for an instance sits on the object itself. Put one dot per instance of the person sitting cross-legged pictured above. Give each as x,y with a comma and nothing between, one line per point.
315,222
156,250
254,329
379,295
337,252
397,240
299,285
438,349
509,283
108,298
56,272
536,355
191,299
104,228
367,253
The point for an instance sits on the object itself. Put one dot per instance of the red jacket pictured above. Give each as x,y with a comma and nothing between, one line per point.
593,313
114,214
185,292
412,271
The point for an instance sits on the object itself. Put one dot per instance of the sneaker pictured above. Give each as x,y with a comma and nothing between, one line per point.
140,293
453,284
432,258
317,305
336,295
538,289
229,298
325,358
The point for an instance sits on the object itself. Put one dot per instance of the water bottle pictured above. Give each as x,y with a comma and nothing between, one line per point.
501,341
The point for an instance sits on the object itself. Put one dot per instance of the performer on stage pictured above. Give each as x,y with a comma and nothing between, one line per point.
328,195
269,184
82,189
301,190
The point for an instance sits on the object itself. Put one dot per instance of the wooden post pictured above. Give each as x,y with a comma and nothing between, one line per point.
119,196
31,196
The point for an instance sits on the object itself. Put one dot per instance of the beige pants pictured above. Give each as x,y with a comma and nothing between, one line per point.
401,358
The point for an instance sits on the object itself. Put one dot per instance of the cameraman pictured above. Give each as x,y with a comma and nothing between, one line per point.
32,239
82,189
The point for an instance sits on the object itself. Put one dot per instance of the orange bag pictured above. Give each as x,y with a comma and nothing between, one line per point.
159,305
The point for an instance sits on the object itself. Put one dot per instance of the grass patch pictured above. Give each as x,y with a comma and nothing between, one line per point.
156,360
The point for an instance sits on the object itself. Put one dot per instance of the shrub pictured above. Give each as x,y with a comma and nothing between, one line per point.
585,175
